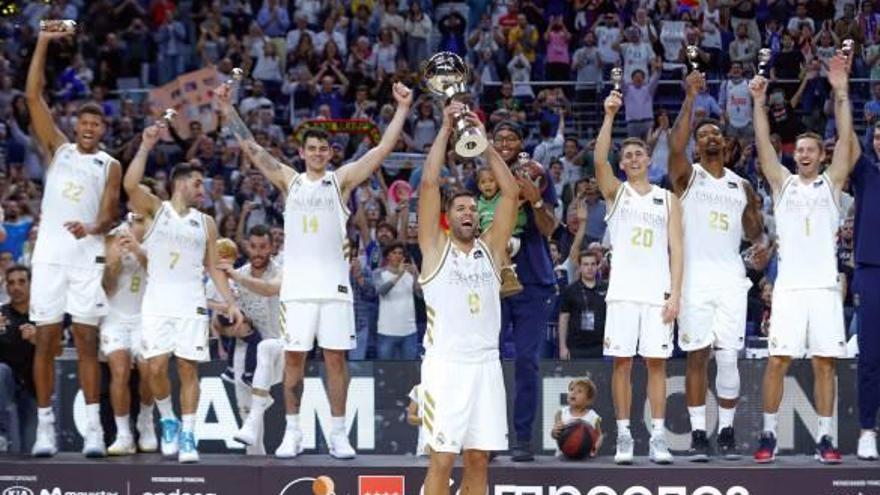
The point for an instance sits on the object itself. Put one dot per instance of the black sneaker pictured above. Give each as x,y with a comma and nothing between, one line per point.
766,452
727,444
522,452
826,453
699,451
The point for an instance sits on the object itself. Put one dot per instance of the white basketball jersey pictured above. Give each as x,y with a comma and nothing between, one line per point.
130,288
175,248
315,242
590,417
74,186
264,312
807,219
463,304
712,217
638,227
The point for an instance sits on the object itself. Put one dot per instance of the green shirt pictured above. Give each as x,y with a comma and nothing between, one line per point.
486,210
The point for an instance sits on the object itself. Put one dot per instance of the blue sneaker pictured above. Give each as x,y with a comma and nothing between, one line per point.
188,452
170,432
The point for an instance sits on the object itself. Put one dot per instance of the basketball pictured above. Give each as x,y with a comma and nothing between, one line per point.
576,440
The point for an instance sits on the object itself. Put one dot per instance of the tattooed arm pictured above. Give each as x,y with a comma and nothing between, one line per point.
278,173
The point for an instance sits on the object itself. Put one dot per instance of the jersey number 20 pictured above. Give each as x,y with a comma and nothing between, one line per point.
642,237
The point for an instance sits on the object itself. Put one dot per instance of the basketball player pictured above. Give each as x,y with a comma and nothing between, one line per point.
316,298
807,315
644,222
719,209
79,206
124,281
462,388
180,245
259,284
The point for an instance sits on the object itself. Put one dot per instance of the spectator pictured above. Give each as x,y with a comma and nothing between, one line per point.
366,308
607,31
328,94
743,49
418,31
551,145
638,100
736,104
424,126
330,32
637,54
18,406
582,313
16,226
800,18
658,142
171,41
521,75
783,119
397,285
393,21
273,19
588,68
268,67
384,55
294,35
743,12
523,38
558,57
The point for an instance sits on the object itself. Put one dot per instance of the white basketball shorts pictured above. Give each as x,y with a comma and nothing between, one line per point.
807,322
463,405
713,318
636,328
330,322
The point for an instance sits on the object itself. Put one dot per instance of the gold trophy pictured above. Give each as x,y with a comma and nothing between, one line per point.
617,78
693,55
446,75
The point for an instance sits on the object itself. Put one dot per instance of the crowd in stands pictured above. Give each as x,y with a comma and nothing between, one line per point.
541,63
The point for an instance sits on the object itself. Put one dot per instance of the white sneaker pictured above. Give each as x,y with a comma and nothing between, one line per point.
291,445
250,429
123,445
93,443
340,447
45,444
659,451
624,454
170,436
147,441
868,446
188,451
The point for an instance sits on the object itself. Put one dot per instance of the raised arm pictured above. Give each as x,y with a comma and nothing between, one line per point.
508,206
847,149
577,244
752,218
431,237
265,288
351,175
680,168
48,134
278,173
218,276
142,201
773,171
608,183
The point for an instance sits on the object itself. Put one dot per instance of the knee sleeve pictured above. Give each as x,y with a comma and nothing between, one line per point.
727,376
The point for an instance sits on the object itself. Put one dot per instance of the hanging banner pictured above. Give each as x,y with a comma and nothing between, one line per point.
341,126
